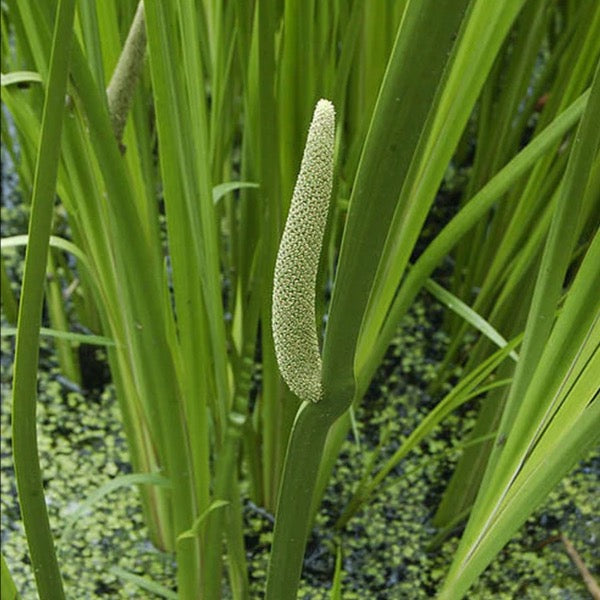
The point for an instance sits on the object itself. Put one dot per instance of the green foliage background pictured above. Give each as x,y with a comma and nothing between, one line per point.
174,223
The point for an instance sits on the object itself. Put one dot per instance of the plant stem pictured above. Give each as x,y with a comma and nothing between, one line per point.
295,497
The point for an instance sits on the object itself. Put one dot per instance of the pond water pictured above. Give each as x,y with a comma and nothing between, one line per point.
82,446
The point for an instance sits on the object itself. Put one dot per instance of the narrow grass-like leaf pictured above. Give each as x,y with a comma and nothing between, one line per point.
25,449
144,583
83,338
54,241
457,306
196,527
8,589
10,306
468,388
225,188
485,28
552,414
336,586
380,176
401,112
18,77
514,235
460,225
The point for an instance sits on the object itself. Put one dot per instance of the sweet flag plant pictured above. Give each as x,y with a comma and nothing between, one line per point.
297,348
181,218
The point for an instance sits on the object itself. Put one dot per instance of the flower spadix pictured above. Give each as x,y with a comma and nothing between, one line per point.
294,313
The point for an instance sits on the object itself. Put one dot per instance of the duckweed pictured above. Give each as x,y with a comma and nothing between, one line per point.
82,446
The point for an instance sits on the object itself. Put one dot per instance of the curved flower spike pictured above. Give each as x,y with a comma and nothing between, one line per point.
294,313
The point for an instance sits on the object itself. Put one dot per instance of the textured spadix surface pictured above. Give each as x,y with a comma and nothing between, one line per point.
294,316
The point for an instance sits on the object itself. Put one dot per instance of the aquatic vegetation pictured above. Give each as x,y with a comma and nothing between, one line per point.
174,190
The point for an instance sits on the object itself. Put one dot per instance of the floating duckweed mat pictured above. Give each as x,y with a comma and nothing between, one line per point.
82,447
385,546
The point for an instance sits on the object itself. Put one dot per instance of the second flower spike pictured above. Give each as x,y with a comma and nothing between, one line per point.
294,312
